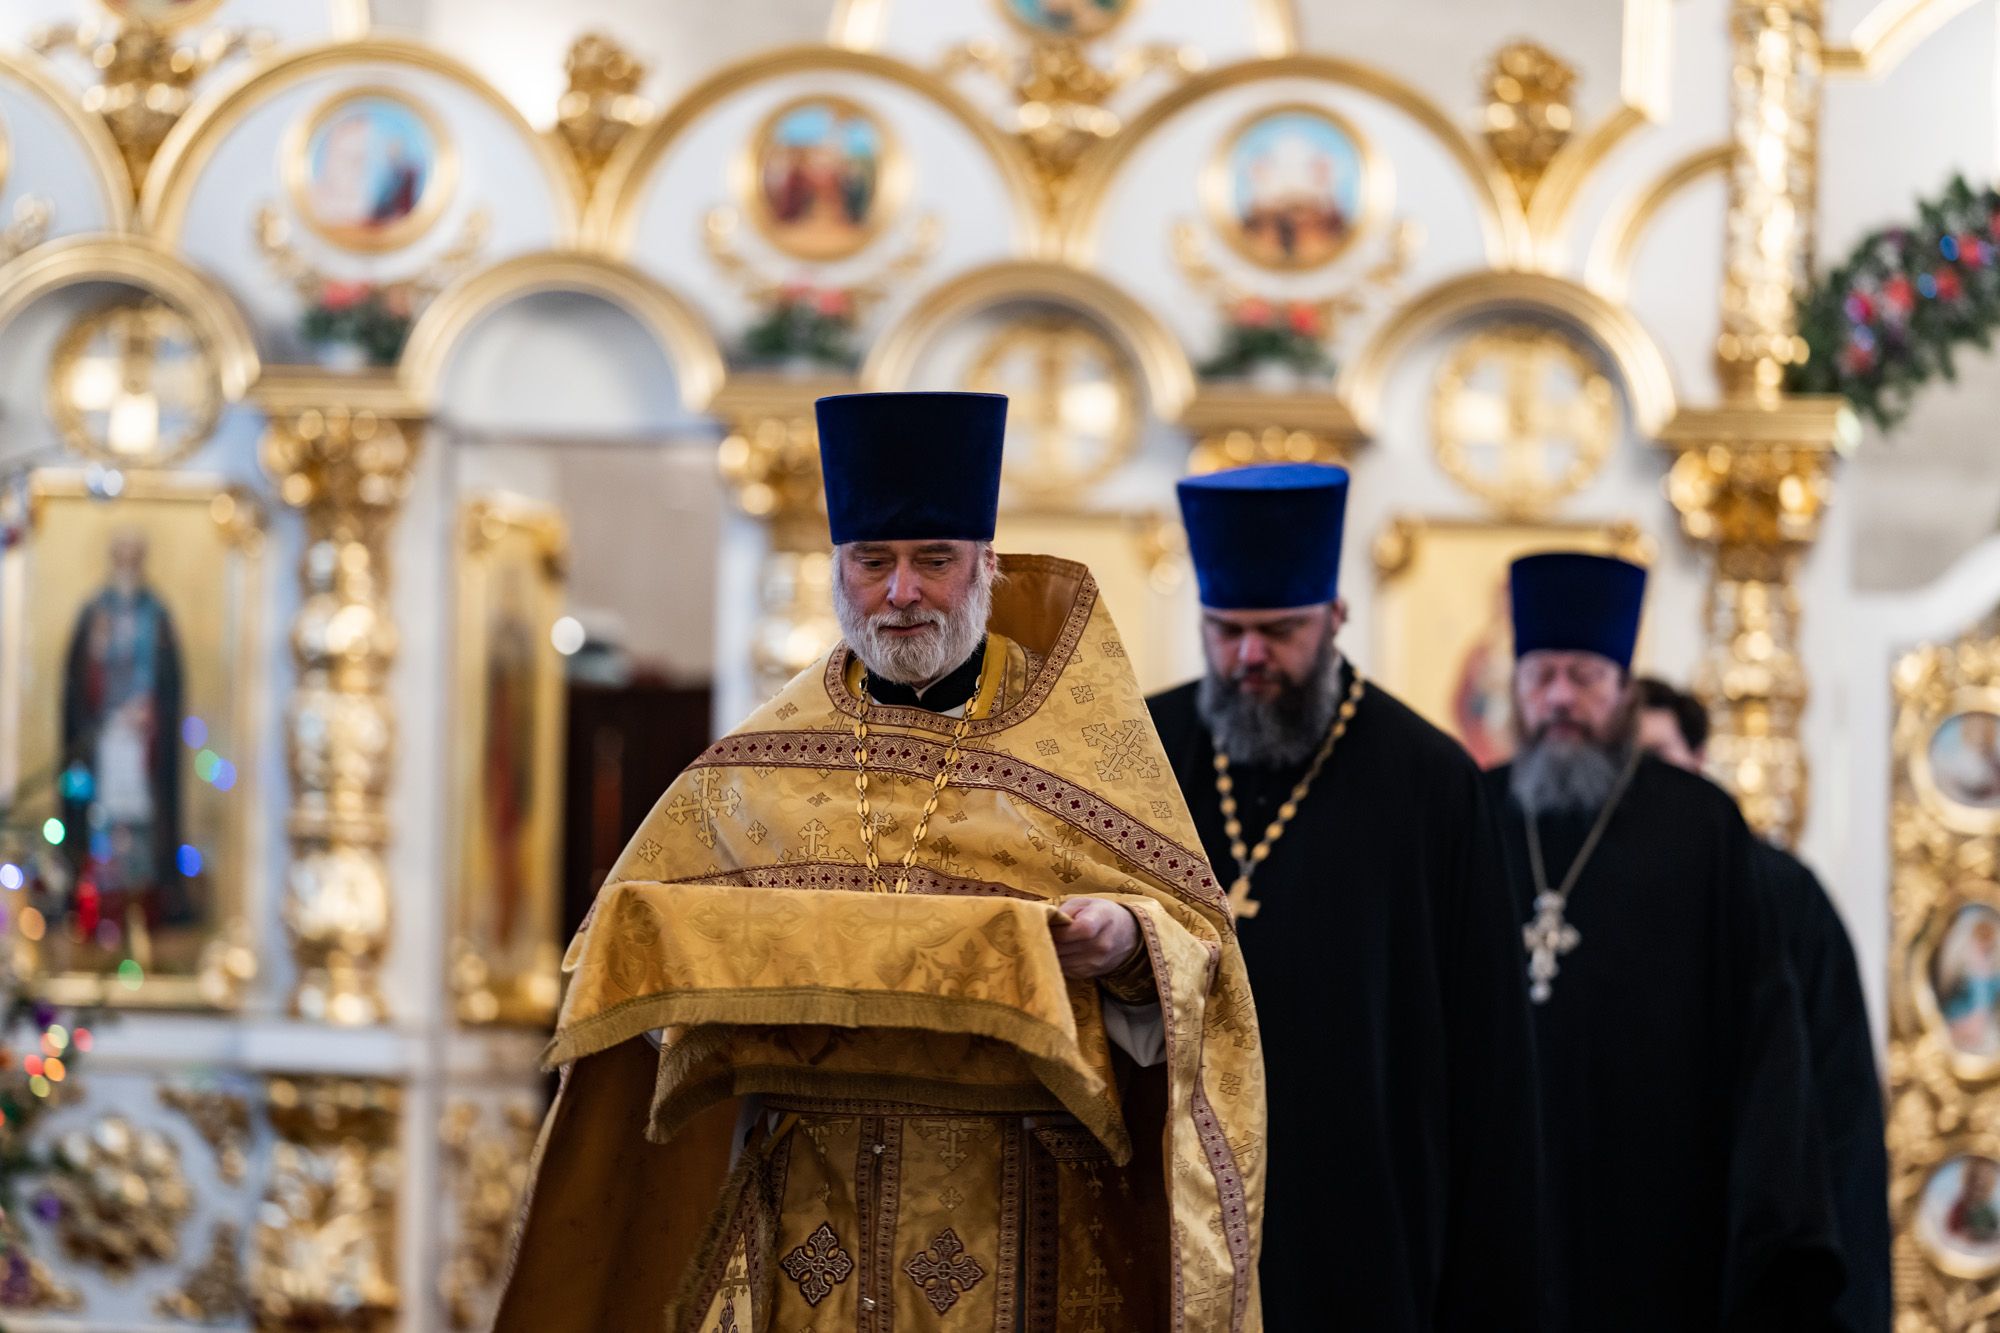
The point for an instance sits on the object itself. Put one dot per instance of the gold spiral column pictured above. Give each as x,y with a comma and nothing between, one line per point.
771,462
342,452
1754,475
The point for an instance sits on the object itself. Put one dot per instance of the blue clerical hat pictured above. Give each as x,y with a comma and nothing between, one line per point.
1266,538
1573,602
911,466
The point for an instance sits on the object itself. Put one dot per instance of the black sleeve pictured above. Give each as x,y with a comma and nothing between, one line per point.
1493,1279
1847,1088
1782,1266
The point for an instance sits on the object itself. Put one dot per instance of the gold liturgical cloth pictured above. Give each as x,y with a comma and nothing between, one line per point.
944,1136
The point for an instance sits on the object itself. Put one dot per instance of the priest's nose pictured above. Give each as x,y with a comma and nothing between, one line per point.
905,588
1252,650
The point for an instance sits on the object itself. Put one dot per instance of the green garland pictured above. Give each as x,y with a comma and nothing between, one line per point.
804,323
375,319
1260,333
1889,319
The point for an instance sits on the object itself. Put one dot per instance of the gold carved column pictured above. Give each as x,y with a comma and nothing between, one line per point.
770,461
342,450
1753,475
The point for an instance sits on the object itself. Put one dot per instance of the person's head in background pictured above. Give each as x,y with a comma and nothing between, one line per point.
1673,725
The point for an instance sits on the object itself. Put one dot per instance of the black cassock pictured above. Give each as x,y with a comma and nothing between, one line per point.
1845,1083
1687,1180
1402,1183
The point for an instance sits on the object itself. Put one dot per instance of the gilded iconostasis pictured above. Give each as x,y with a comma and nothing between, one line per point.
407,461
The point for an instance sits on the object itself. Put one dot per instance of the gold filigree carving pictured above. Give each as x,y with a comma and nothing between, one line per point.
487,1166
134,384
1944,1106
602,104
324,1249
223,1121
146,76
1062,95
1528,113
1236,425
1074,403
1522,417
342,451
122,1193
215,1289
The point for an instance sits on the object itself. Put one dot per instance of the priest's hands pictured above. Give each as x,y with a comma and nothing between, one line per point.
1094,937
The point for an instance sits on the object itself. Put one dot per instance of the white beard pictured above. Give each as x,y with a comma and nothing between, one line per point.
915,660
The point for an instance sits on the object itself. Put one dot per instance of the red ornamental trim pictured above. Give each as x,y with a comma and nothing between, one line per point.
1185,872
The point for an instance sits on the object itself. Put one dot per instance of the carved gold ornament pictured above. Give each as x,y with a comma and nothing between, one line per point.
601,105
822,177
1061,93
123,1195
1074,405
145,76
324,1250
213,1290
370,169
1944,1011
1293,187
223,1121
134,384
860,294
1522,417
1528,114
486,1163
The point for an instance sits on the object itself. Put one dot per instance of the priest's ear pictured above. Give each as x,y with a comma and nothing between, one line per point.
1336,616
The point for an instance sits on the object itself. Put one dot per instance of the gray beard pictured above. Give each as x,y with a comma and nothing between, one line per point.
915,662
1566,777
1279,733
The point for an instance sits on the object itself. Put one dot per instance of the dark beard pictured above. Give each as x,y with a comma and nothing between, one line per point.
1567,777
1281,733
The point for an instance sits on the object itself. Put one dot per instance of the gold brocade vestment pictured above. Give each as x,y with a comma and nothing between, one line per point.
942,1135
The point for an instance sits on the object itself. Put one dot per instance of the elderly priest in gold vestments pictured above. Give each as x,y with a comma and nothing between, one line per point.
914,1002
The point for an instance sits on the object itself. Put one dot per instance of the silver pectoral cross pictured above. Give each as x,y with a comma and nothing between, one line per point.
1547,938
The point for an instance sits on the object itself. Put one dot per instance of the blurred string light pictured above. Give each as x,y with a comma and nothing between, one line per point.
567,635
188,859
194,732
130,975
11,877
53,831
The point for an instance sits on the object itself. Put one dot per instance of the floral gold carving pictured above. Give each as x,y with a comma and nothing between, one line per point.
323,1254
601,105
223,1121
1522,417
121,1193
486,1162
213,1290
1528,113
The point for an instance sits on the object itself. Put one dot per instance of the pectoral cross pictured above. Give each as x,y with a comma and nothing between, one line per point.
1241,904
1547,938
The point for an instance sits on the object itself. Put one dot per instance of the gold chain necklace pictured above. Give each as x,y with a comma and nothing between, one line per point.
1241,904
876,884
1549,936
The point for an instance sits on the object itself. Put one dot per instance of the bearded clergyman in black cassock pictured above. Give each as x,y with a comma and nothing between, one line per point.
1685,1159
1674,726
1379,933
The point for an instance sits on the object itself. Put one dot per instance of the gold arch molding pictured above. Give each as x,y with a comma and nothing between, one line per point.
689,345
613,218
857,24
191,144
132,261
1888,33
1608,271
1162,362
1501,219
108,164
1649,385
